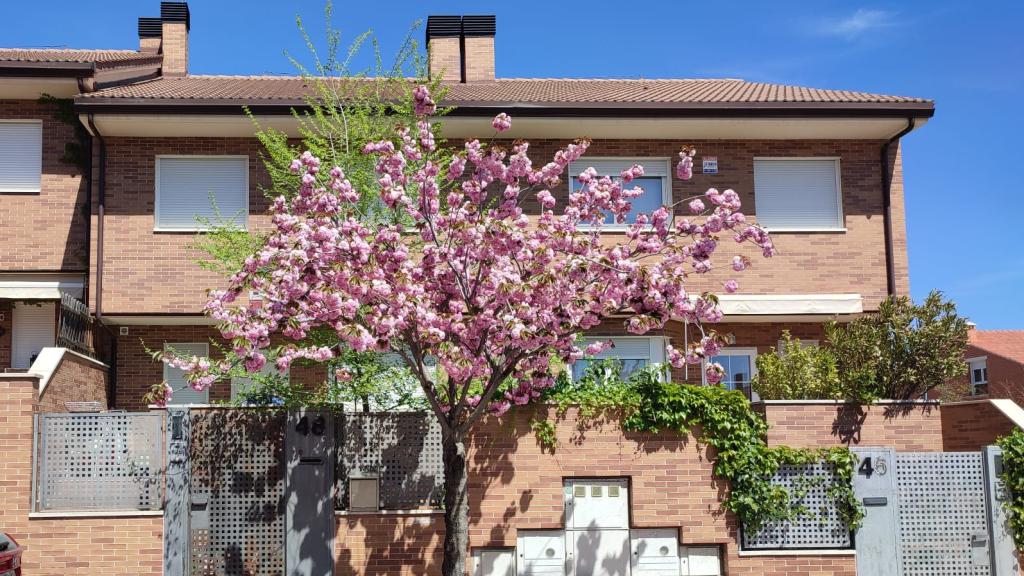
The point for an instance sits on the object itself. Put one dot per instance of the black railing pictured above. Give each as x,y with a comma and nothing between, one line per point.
77,330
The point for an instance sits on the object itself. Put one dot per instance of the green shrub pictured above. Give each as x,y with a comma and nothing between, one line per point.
797,372
902,352
1013,476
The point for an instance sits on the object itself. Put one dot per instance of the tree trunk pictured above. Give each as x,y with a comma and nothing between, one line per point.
456,506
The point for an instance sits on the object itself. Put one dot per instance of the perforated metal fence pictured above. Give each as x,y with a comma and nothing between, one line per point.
820,527
105,461
402,449
236,459
942,513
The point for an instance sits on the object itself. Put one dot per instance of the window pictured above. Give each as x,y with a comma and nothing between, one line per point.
240,384
191,188
21,156
632,353
183,393
34,329
979,375
739,365
800,194
655,182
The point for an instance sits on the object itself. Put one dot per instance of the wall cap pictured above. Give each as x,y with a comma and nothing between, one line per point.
805,553
847,402
391,513
96,514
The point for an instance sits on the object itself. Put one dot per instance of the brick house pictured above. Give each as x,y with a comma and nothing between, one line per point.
842,246
821,169
995,362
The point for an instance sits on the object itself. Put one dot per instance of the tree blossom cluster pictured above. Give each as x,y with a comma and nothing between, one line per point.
465,276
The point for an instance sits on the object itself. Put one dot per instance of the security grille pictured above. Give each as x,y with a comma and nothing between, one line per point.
100,461
819,527
237,492
941,499
402,449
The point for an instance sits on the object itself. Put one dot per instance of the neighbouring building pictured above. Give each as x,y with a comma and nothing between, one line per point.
995,365
102,153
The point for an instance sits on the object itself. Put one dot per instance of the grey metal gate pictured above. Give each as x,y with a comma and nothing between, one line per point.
930,513
237,492
104,461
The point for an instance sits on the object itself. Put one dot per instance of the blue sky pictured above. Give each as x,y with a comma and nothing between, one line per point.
968,56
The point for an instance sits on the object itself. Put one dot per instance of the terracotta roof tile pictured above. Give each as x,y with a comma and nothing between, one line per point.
76,56
532,91
1006,343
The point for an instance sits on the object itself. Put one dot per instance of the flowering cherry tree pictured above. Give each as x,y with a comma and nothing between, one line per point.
463,276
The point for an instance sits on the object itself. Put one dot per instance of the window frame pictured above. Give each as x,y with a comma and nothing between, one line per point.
196,228
749,351
651,358
169,367
983,360
42,145
665,162
841,216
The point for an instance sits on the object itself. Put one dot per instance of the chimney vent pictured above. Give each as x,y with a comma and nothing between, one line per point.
176,12
150,32
461,48
175,23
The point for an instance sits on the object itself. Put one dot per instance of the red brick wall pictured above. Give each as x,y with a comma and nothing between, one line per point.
155,272
45,231
76,379
516,485
147,272
137,372
908,427
65,546
969,426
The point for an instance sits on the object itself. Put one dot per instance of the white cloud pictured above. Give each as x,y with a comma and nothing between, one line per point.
855,25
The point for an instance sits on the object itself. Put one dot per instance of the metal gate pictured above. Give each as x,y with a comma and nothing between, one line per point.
930,513
237,492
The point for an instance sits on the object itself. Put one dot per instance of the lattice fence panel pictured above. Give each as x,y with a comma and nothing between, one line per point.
238,470
819,527
402,449
941,506
108,461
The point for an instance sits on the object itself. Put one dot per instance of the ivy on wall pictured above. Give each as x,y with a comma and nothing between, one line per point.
1012,446
724,421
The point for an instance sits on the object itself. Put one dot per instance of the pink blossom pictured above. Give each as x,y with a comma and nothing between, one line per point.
696,206
502,122
731,286
483,290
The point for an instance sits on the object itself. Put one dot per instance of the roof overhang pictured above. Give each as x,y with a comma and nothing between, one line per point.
791,307
158,319
40,286
31,88
118,122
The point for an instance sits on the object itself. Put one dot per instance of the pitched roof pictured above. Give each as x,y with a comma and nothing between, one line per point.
68,56
532,93
1006,343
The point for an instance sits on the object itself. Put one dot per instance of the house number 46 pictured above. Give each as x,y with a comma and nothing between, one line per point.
870,466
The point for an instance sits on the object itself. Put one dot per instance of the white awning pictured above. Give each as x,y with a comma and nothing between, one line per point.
40,286
790,304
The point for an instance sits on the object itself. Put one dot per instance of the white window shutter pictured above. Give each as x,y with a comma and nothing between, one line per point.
653,167
800,194
183,393
21,156
34,329
201,187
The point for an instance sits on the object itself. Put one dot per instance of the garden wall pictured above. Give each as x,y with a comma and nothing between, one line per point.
974,424
72,544
75,378
909,426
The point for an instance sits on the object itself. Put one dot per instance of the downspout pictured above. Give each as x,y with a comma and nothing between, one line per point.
101,189
101,197
890,264
88,205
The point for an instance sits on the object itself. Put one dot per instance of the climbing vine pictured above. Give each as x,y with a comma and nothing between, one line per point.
727,424
1012,446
